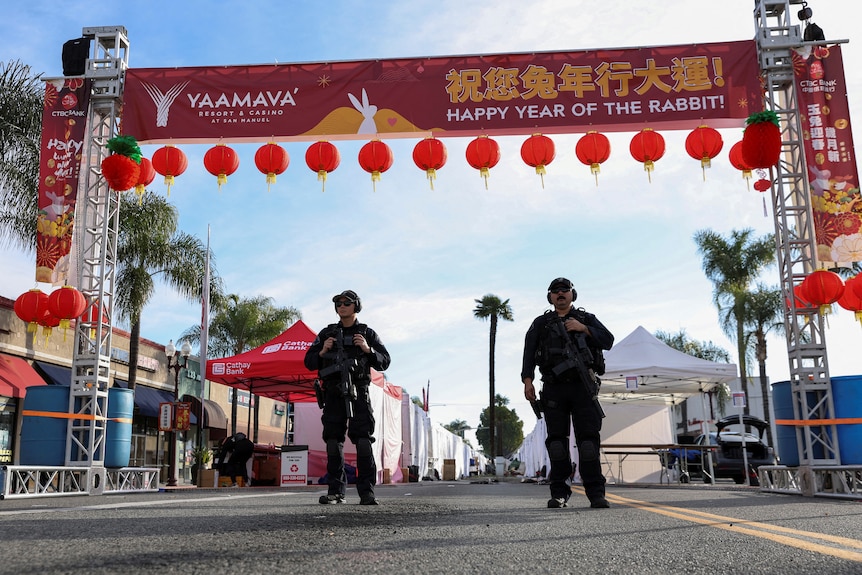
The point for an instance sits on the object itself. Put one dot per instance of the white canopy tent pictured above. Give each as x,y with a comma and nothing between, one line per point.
641,368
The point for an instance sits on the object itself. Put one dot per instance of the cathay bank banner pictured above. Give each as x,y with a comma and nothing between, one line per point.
675,87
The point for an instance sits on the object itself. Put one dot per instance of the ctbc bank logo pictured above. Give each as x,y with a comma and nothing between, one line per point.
218,368
163,100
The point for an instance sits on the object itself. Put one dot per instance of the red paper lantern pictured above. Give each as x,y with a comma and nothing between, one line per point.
800,300
430,155
170,162
30,307
761,140
593,149
647,147
850,299
322,157
736,160
66,304
221,161
823,288
49,321
483,153
145,178
272,160
762,185
704,143
93,315
375,157
538,151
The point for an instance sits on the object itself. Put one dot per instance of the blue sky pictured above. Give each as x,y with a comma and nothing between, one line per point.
419,258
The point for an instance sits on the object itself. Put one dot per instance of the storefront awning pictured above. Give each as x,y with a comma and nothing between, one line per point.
214,415
16,375
55,374
147,400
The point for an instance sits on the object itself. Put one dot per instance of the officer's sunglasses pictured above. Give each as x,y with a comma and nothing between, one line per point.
561,290
343,303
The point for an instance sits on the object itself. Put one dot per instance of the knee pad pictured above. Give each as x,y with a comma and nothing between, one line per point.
589,451
333,447
363,448
557,450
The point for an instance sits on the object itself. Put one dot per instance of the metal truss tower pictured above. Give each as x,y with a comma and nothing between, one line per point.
97,224
796,247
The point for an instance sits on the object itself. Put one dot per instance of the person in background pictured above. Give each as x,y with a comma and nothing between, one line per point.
566,344
243,449
343,354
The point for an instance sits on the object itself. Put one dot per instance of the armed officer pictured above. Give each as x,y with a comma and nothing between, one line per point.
566,343
343,354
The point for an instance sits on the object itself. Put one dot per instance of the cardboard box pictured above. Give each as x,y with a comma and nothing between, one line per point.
207,477
387,476
448,470
227,482
405,475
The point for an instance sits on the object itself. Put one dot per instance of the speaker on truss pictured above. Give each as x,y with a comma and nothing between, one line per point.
75,54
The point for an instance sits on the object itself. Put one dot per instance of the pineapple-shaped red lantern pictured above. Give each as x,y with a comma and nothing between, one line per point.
123,167
761,140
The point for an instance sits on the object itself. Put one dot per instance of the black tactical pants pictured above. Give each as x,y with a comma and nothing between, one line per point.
359,429
568,403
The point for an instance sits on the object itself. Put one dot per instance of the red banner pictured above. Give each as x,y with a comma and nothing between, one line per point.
553,92
64,120
829,156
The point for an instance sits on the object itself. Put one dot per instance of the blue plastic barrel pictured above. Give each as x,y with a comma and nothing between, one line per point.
118,432
43,437
847,397
785,435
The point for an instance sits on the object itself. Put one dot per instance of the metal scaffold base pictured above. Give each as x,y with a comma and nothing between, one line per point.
19,481
838,481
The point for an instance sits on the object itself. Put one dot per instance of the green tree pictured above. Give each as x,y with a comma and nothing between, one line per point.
21,95
238,325
149,247
490,306
732,265
509,427
458,427
764,314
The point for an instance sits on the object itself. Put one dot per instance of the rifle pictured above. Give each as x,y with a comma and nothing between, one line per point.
345,366
574,359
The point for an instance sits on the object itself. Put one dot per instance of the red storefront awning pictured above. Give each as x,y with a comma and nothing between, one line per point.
16,375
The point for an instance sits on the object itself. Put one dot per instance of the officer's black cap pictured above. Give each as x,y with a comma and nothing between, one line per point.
560,283
346,294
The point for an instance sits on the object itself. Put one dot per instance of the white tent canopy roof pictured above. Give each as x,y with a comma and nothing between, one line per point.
663,374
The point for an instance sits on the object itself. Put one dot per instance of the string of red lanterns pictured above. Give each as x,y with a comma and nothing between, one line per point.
483,153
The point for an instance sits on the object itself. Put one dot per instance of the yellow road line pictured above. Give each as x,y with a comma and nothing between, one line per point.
790,537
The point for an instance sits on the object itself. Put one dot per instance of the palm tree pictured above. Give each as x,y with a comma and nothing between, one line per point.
732,264
21,95
241,324
149,246
490,306
764,314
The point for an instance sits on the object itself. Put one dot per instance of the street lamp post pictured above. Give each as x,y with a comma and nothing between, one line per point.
175,365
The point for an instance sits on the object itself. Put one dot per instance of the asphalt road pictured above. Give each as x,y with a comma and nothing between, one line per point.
433,527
